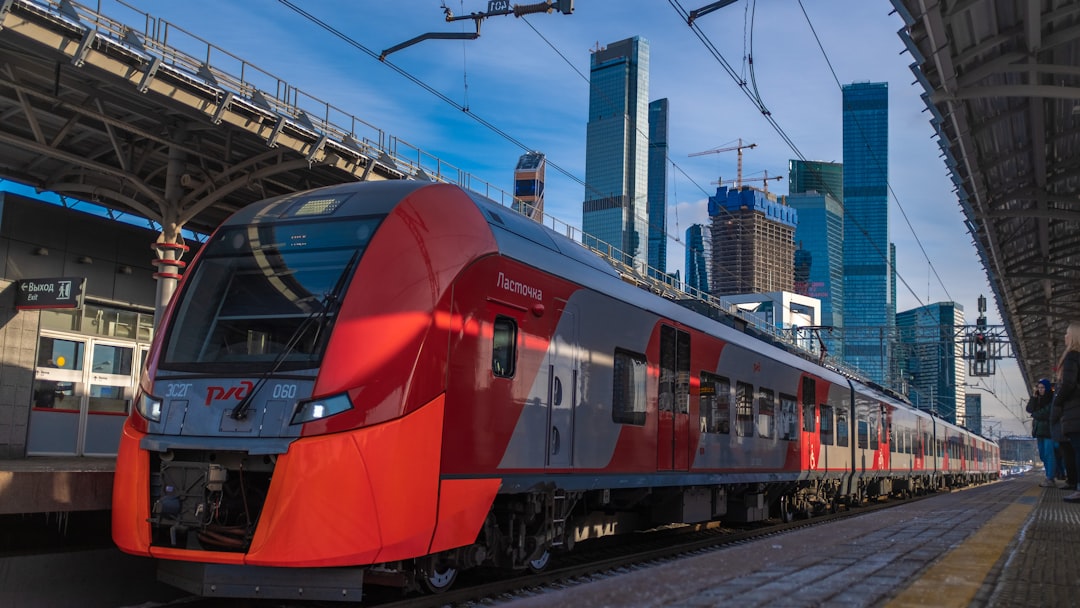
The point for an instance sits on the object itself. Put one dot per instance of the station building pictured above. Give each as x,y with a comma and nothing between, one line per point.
69,365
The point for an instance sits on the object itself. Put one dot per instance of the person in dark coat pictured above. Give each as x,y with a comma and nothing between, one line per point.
1067,405
1039,407
1063,455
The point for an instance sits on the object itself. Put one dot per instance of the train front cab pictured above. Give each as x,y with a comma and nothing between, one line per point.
338,494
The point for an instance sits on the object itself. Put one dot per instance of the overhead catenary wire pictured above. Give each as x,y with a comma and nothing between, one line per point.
888,184
767,114
495,129
419,82
675,238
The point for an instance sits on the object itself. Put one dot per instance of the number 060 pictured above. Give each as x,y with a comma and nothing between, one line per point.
285,391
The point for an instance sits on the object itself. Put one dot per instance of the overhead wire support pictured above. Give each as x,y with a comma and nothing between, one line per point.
496,8
705,10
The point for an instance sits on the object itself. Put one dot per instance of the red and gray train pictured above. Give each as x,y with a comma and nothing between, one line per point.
393,382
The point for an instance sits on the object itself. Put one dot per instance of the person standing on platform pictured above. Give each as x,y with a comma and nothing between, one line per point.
1039,408
1063,456
1067,405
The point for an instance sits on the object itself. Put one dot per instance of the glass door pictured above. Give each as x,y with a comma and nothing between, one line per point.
82,394
56,402
108,399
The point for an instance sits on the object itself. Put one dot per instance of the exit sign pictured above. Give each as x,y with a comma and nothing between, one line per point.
63,292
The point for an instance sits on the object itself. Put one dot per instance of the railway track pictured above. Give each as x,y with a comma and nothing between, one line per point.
605,557
589,562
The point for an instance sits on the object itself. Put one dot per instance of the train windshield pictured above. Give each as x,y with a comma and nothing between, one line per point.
264,294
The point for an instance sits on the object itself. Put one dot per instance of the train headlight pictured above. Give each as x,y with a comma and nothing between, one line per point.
316,409
149,407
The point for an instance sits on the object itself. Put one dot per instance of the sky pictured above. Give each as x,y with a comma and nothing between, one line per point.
528,78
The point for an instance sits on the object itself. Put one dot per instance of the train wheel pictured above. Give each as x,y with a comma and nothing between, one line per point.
541,563
436,578
787,512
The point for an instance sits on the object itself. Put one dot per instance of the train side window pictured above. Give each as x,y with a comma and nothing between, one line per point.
766,413
789,417
874,429
744,409
629,397
504,347
714,404
826,424
842,426
809,392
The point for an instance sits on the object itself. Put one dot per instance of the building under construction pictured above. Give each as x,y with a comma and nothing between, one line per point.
753,242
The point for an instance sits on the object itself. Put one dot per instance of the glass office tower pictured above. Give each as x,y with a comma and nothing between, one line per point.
657,188
698,254
931,359
819,259
615,216
869,309
816,176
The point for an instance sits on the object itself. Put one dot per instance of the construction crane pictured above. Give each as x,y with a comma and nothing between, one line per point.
738,183
739,148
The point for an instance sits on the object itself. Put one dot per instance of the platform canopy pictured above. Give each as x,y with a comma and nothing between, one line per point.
142,117
1002,81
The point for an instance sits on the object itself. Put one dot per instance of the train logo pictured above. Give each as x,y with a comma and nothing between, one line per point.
221,393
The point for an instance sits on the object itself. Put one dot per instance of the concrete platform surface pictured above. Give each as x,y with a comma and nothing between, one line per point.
56,484
1009,543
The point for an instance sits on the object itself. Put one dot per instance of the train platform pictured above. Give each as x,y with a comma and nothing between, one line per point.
56,484
1010,543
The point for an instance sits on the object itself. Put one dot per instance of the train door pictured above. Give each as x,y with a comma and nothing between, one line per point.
562,393
673,402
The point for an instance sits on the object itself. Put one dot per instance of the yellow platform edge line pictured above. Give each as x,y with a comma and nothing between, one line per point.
954,580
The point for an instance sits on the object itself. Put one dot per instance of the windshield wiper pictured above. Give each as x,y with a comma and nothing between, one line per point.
331,300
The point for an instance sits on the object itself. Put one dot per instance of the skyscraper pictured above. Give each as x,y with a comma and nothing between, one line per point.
869,309
657,185
615,212
816,176
753,247
973,412
932,359
817,192
698,254
529,185
819,258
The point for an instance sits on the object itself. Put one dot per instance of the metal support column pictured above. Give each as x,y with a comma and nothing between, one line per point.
170,245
